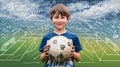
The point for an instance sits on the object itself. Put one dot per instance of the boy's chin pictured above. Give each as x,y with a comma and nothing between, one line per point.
59,28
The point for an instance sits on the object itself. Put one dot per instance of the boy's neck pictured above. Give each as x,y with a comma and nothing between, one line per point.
60,31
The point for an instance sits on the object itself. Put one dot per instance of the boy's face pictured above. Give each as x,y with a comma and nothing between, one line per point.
59,21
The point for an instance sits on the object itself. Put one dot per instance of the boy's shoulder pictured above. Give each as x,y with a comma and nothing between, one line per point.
49,35
72,34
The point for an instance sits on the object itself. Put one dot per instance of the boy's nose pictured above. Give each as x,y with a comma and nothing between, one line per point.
59,20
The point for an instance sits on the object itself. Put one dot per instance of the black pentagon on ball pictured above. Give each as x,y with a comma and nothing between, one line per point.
55,42
48,47
52,57
62,47
69,44
60,55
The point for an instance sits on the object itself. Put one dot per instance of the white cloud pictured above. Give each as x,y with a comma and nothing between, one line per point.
95,11
21,9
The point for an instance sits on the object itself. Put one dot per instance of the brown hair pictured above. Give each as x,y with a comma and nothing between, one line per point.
59,9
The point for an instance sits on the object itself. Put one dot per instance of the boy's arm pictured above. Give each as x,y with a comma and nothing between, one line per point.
43,57
76,56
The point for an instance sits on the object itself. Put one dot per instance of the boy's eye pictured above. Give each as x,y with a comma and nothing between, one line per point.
56,17
62,17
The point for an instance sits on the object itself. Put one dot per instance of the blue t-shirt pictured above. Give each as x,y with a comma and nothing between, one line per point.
69,35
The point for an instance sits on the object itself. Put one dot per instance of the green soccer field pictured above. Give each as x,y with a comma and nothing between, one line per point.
23,23
22,51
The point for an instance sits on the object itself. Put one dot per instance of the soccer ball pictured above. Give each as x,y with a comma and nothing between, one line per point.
59,48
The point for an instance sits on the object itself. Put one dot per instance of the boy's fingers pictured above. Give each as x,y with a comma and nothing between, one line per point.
73,47
45,50
46,54
73,50
45,47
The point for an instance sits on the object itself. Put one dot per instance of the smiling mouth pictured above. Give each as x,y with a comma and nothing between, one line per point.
59,24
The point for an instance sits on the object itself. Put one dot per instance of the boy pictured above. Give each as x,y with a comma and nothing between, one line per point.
60,16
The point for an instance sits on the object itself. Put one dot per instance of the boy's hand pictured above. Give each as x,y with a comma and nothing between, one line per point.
46,50
72,51
45,54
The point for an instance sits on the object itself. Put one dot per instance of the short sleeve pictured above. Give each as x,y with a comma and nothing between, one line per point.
42,44
77,44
